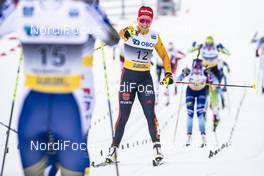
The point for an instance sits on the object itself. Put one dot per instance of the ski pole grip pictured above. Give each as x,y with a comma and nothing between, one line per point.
254,86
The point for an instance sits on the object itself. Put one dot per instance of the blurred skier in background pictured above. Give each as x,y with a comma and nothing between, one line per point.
57,40
260,55
175,56
160,73
214,99
224,69
210,55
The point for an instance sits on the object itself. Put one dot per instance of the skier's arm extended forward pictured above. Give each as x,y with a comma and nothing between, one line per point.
195,47
102,26
222,49
185,73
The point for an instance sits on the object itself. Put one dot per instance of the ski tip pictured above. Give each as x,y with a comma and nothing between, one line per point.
254,86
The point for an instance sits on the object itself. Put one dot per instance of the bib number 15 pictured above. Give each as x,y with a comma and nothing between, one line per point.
55,56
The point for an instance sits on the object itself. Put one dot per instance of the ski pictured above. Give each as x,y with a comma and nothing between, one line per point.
203,145
104,163
158,162
187,145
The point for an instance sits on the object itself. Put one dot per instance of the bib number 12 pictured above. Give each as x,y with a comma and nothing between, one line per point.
142,55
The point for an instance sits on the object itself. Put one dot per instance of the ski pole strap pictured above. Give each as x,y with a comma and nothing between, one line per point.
253,86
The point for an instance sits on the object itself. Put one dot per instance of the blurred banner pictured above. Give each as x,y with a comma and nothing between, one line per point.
168,7
128,8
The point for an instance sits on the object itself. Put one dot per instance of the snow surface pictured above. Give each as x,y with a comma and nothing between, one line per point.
232,22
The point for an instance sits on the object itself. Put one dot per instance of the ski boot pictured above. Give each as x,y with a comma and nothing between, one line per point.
189,139
203,141
112,155
158,156
111,158
216,122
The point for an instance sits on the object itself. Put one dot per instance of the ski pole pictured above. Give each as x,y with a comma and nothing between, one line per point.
11,129
11,113
178,115
254,38
103,44
199,51
253,86
100,47
109,101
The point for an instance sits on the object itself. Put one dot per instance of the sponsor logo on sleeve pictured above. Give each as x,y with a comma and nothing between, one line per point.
28,11
154,37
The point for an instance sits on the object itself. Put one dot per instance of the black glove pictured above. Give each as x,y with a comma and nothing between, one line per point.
127,34
168,80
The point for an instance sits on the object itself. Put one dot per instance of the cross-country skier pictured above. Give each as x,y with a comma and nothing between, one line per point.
224,69
175,56
54,37
214,99
210,56
260,55
195,94
160,73
139,42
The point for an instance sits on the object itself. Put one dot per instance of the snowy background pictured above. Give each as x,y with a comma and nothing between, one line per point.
232,22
